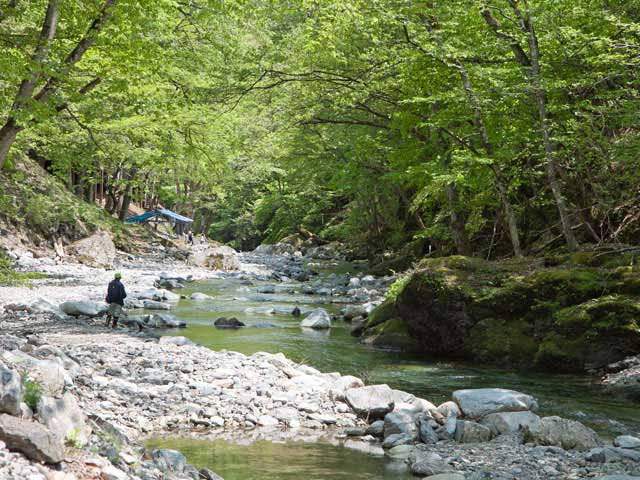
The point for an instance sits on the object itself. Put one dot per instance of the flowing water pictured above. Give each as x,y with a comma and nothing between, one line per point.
272,328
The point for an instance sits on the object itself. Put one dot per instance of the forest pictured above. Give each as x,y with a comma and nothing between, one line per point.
491,128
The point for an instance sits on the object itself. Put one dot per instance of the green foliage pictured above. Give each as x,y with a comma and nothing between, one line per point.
397,287
348,118
32,391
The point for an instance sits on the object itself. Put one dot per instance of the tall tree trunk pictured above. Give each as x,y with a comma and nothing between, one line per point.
126,196
10,129
545,127
532,63
456,219
488,147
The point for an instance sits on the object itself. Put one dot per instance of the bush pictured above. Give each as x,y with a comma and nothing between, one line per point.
32,392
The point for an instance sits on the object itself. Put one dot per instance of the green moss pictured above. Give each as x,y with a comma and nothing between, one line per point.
496,339
560,353
394,334
563,287
381,314
585,258
611,312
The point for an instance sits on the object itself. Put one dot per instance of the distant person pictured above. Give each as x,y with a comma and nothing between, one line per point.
190,237
203,238
115,298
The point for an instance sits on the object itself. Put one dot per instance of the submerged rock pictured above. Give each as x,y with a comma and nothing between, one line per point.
200,296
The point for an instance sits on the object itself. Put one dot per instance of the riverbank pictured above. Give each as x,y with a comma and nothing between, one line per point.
135,386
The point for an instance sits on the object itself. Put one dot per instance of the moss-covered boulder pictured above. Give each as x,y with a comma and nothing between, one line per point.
519,312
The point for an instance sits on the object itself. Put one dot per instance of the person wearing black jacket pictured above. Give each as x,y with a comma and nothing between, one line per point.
115,298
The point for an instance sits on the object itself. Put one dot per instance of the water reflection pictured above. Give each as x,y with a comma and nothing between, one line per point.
313,458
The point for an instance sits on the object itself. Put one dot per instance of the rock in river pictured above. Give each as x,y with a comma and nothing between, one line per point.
318,319
224,322
164,320
476,403
373,402
169,460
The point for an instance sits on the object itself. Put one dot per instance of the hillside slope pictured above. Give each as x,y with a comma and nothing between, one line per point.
37,209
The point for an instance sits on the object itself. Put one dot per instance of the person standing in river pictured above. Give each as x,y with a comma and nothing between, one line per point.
115,298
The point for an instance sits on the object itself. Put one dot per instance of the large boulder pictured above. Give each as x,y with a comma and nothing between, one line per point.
10,391
561,432
31,439
89,309
217,258
40,305
476,403
372,402
318,319
510,422
97,250
64,418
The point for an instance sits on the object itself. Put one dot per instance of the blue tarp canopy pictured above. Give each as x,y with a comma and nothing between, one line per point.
160,211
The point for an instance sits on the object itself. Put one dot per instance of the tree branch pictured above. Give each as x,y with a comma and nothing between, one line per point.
80,49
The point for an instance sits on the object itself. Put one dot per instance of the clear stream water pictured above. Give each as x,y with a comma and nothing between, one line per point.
271,328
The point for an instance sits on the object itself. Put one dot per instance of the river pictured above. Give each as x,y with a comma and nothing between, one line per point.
272,328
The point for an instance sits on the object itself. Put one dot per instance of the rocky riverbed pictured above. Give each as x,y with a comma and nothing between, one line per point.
101,392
